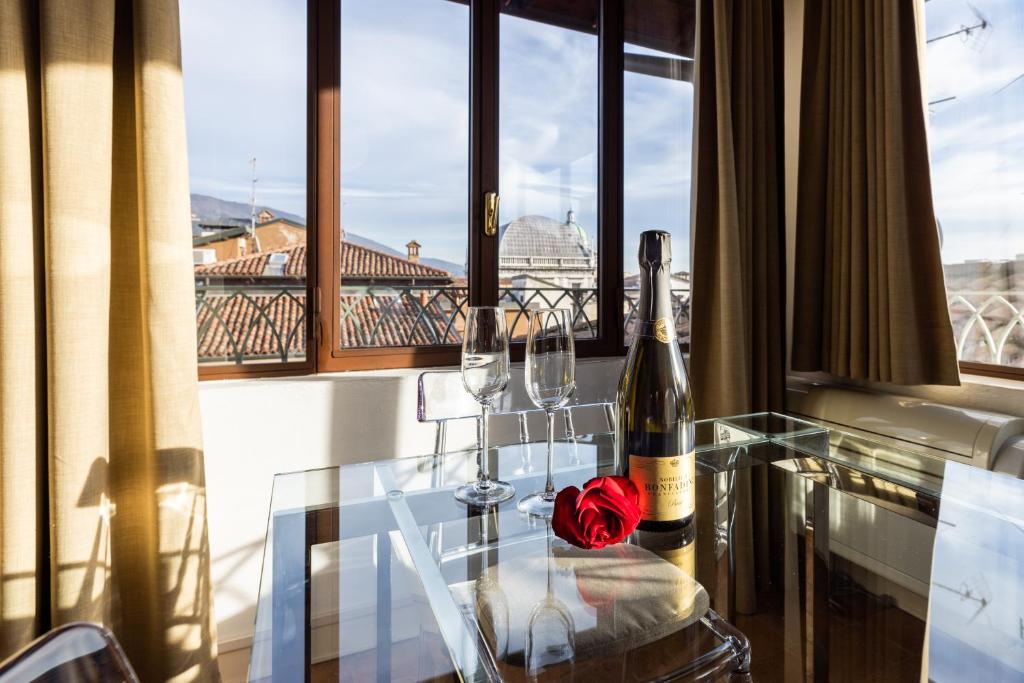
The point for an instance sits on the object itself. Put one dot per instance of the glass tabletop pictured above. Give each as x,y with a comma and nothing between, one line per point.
802,562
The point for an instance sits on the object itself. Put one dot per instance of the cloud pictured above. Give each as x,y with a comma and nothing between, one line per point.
977,139
405,120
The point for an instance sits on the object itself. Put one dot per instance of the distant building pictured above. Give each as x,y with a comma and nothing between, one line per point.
986,275
536,251
233,238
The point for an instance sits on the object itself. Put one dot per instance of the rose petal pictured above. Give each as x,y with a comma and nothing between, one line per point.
563,519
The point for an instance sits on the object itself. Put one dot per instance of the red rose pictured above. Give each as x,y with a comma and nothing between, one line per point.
604,512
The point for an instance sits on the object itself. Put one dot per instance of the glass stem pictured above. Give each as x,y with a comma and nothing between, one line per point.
485,477
549,487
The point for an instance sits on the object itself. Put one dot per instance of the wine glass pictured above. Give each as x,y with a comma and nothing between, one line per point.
485,375
550,381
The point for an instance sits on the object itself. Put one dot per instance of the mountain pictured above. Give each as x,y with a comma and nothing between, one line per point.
209,209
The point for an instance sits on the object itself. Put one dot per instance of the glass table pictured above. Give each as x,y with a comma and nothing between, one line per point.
809,559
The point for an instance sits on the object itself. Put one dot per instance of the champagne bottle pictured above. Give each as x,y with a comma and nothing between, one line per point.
654,437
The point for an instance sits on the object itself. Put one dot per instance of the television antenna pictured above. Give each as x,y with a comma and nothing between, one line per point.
974,36
252,208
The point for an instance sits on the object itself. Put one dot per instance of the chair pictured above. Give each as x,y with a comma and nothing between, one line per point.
442,399
75,653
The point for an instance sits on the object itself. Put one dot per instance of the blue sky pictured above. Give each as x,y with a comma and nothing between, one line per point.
404,147
977,140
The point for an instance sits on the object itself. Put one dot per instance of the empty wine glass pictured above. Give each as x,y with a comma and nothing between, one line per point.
485,376
550,381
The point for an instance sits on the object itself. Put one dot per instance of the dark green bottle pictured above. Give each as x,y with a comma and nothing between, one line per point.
654,435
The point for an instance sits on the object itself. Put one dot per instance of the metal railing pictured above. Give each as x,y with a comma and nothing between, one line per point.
268,323
988,326
247,323
250,323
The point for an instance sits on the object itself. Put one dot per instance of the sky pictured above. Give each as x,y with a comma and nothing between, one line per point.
404,118
977,139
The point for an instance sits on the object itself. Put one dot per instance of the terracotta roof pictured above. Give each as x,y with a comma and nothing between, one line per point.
255,265
244,324
356,262
251,325
362,262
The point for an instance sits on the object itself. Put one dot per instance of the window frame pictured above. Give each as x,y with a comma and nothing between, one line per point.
314,42
323,224
484,18
967,367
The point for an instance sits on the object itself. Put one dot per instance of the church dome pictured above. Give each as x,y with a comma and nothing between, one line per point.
543,237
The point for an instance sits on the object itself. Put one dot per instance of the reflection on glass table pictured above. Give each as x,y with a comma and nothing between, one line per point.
798,567
976,621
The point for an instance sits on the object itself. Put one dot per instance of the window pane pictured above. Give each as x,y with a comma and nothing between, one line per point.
404,172
658,136
245,110
976,109
547,255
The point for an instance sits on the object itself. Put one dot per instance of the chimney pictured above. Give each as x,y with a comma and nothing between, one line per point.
413,249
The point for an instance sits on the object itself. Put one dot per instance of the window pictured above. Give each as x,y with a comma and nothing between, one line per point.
412,114
404,151
547,159
975,91
245,105
657,116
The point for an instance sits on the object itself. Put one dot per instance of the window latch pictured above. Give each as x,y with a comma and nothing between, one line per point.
491,214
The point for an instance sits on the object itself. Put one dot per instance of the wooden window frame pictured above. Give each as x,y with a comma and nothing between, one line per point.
323,229
314,76
483,177
1010,372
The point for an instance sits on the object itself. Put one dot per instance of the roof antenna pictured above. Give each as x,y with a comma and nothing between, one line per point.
252,208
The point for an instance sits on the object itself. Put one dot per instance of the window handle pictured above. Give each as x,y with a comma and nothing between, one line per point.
491,214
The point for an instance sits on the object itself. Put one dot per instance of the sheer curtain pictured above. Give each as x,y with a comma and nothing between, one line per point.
102,496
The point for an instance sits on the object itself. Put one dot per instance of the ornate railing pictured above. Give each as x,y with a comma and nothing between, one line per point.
268,323
680,312
988,326
250,323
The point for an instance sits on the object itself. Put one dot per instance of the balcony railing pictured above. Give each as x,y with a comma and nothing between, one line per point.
259,323
253,323
988,326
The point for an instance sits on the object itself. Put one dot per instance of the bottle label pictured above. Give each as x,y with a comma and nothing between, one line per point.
660,329
665,484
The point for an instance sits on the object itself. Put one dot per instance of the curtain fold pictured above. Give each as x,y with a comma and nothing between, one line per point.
869,298
98,397
737,338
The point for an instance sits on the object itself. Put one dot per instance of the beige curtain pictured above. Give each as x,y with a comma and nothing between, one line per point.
102,501
737,338
870,302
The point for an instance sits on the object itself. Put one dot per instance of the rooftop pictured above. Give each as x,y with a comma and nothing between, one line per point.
356,263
